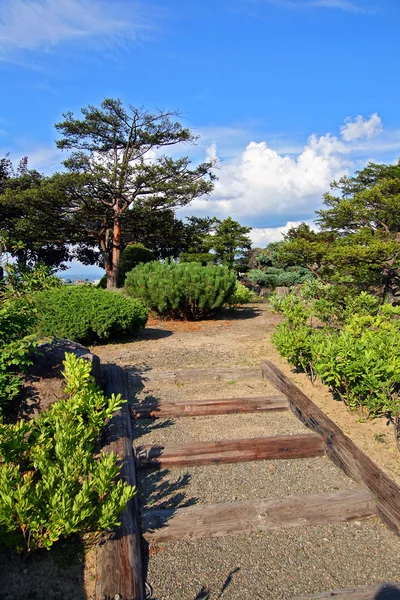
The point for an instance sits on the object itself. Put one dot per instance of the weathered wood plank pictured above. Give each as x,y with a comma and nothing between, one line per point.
383,591
119,559
340,448
188,375
197,408
230,451
244,517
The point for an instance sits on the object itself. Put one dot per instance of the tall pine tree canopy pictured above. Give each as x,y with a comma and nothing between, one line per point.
359,241
115,165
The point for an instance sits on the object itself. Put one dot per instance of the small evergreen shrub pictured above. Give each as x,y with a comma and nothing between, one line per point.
87,314
185,290
53,480
275,276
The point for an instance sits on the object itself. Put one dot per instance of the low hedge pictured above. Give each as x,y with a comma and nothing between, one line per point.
184,290
87,314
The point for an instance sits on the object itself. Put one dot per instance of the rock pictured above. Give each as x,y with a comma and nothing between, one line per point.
44,382
265,291
282,291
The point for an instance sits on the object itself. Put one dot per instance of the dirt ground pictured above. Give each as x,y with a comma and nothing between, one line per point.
65,572
277,565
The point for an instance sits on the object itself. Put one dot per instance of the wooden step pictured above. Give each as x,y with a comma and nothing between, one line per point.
198,408
230,451
384,591
197,375
341,449
218,520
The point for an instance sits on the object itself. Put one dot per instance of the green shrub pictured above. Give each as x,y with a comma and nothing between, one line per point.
17,319
19,281
184,290
363,368
87,314
241,295
53,480
131,256
275,276
296,345
358,355
204,258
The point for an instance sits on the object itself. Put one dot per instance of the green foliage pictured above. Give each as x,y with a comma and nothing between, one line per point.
23,280
240,295
108,172
230,242
363,368
296,345
184,290
35,216
17,318
275,267
131,256
357,355
53,480
87,314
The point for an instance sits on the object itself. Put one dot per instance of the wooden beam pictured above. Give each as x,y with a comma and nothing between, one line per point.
219,520
385,591
230,451
119,559
197,408
341,449
188,375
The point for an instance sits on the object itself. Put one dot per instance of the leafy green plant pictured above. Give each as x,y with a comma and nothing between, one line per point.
87,314
17,319
184,290
53,480
19,281
241,295
296,345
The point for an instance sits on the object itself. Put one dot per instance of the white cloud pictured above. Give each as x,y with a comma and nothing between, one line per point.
263,187
40,24
261,182
263,236
361,128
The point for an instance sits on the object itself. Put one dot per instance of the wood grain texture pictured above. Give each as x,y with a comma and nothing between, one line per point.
230,451
383,591
187,375
200,408
341,449
119,559
259,515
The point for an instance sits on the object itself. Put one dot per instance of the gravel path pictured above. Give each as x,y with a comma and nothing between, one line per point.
274,565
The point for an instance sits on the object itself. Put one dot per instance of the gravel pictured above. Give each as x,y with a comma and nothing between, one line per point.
268,565
275,565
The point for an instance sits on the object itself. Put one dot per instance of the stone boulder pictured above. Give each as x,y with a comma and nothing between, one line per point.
44,383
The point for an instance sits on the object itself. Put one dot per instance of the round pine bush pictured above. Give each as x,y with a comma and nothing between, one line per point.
184,290
87,314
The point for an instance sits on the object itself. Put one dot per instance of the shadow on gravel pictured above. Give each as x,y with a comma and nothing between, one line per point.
388,592
205,593
239,314
158,493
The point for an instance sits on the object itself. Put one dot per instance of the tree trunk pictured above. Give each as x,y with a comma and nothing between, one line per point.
113,268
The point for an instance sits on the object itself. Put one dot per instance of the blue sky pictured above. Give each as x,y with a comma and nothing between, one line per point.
288,94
